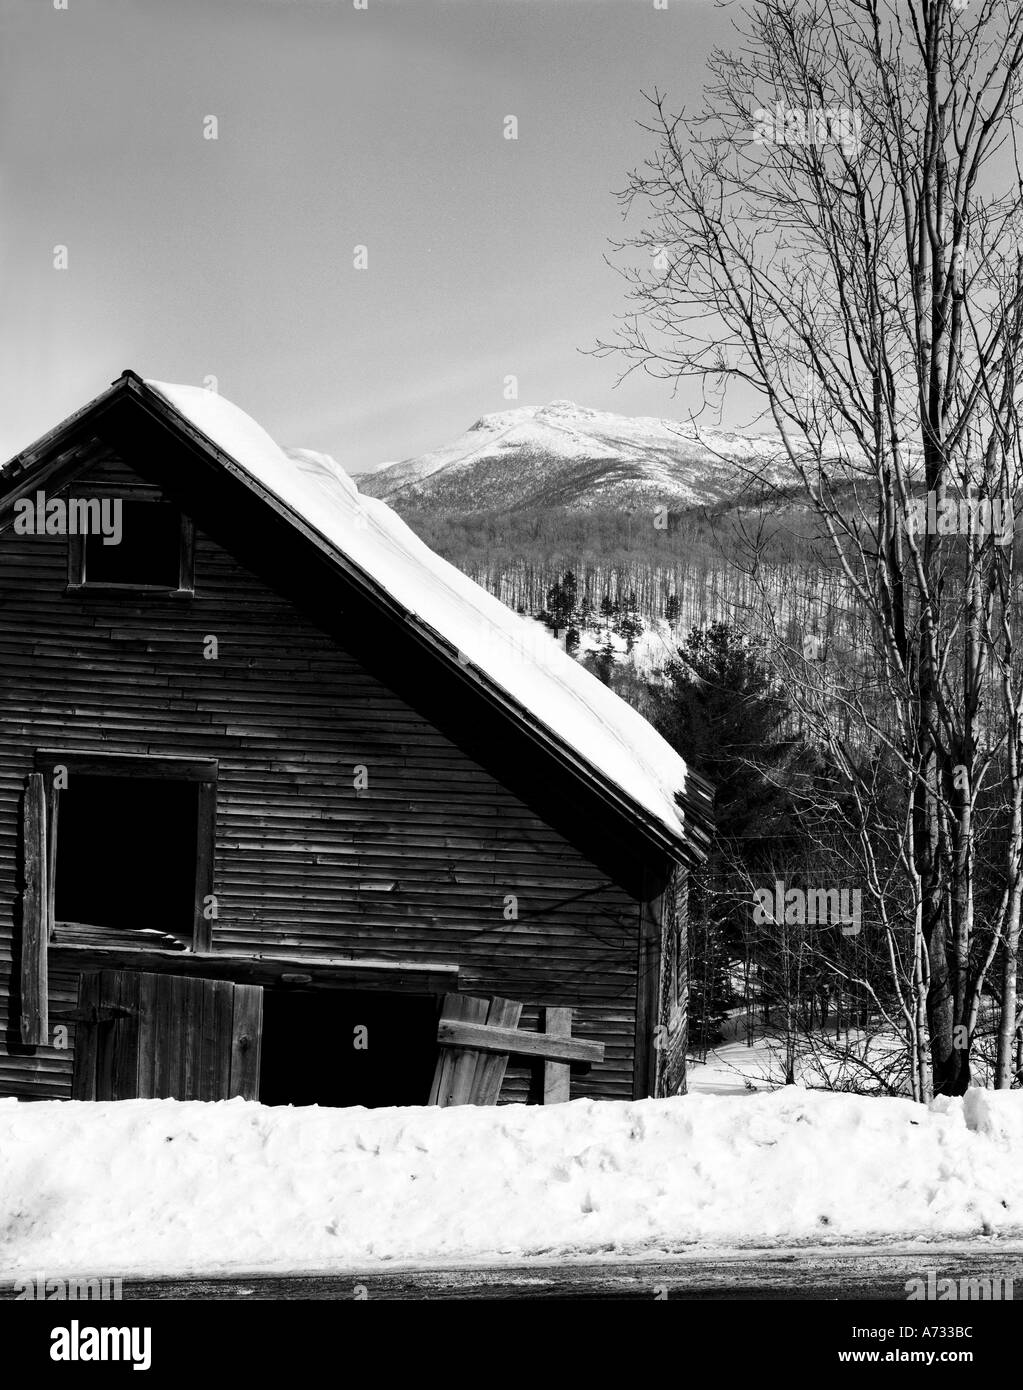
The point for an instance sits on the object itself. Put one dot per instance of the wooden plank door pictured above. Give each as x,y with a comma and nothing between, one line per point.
142,1035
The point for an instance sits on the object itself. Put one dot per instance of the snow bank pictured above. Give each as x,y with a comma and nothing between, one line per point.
177,1187
588,718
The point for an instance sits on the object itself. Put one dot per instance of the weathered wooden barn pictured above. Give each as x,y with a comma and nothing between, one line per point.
275,779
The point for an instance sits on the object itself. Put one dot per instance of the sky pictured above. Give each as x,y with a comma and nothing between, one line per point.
189,257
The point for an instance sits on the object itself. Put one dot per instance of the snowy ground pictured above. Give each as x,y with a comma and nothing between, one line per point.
657,644
143,1187
734,1068
737,1067
854,1060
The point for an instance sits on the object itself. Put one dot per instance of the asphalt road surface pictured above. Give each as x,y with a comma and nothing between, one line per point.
863,1273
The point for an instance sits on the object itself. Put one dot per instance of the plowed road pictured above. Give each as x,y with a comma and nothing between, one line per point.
818,1274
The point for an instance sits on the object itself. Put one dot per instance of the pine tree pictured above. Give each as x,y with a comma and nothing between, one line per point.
559,611
721,708
630,627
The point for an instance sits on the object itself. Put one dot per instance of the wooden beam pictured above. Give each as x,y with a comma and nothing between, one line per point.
92,1013
35,1025
453,1033
397,977
557,1076
88,761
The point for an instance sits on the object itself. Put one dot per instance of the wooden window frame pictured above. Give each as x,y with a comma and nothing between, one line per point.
78,581
203,771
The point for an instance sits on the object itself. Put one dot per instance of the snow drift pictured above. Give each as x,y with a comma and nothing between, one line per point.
160,1186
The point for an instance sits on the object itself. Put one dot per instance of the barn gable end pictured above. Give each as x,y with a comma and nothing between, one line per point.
362,808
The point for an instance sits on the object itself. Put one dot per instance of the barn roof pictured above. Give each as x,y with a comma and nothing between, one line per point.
470,625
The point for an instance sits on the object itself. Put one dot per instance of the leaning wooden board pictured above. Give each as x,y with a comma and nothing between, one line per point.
476,1040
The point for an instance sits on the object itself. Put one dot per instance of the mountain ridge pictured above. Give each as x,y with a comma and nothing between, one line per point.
565,455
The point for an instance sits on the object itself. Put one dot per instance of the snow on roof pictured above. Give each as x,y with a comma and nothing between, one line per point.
515,653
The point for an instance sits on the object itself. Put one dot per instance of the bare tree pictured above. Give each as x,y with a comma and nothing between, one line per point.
837,238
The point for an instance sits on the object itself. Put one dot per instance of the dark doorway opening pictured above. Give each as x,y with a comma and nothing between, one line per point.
310,1054
126,853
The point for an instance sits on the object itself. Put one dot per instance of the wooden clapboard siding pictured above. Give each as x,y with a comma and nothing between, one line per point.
416,866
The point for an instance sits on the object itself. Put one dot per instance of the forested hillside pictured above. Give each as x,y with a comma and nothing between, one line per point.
684,569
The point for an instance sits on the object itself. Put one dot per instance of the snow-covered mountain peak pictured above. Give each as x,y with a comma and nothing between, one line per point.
565,454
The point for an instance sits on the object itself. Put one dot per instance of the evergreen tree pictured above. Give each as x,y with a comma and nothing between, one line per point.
559,612
630,627
721,708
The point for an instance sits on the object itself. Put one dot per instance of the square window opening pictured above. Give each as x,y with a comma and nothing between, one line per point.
127,854
148,553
